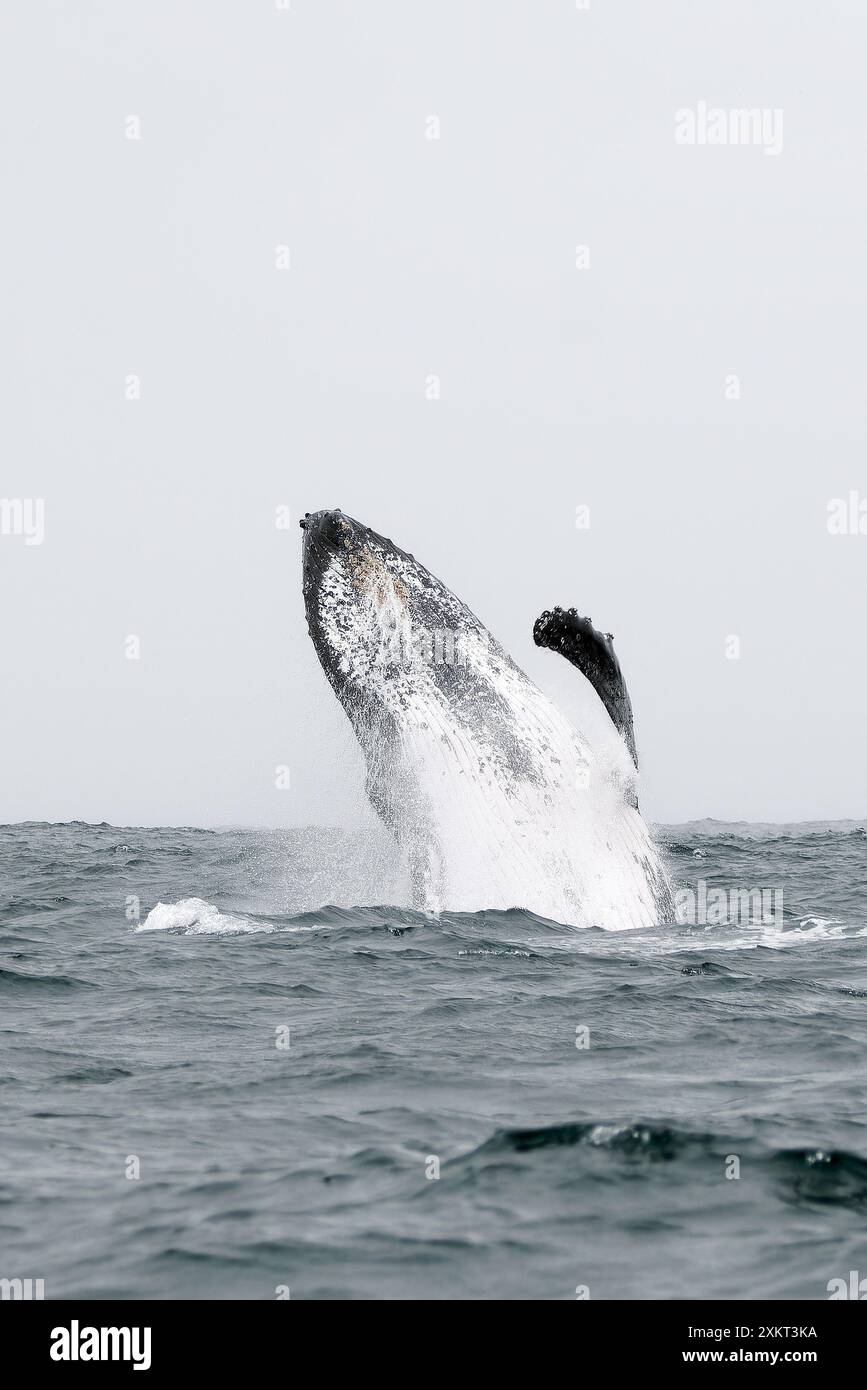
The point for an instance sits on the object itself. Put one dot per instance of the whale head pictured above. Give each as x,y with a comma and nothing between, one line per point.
389,635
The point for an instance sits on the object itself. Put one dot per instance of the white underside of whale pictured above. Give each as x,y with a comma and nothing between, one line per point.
564,844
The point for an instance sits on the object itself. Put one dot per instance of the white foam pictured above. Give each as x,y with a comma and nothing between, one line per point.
777,938
195,917
702,940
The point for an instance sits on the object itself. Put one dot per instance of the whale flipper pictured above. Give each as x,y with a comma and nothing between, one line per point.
564,631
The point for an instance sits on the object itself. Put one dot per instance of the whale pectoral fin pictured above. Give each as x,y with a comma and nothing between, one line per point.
564,631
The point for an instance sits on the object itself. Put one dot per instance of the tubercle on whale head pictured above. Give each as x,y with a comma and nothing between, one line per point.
330,529
331,536
329,533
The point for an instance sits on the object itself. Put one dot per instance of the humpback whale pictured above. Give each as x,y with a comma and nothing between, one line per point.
494,799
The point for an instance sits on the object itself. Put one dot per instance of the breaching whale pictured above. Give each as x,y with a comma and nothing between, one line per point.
494,799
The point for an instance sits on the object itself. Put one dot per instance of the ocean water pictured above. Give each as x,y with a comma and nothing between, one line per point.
286,1080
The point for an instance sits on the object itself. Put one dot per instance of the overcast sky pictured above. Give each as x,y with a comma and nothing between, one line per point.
699,385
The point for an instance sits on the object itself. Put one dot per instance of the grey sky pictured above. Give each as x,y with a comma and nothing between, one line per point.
603,386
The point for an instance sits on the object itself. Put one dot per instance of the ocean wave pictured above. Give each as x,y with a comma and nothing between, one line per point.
497,934
831,1177
17,982
805,1176
195,917
630,1140
414,1037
